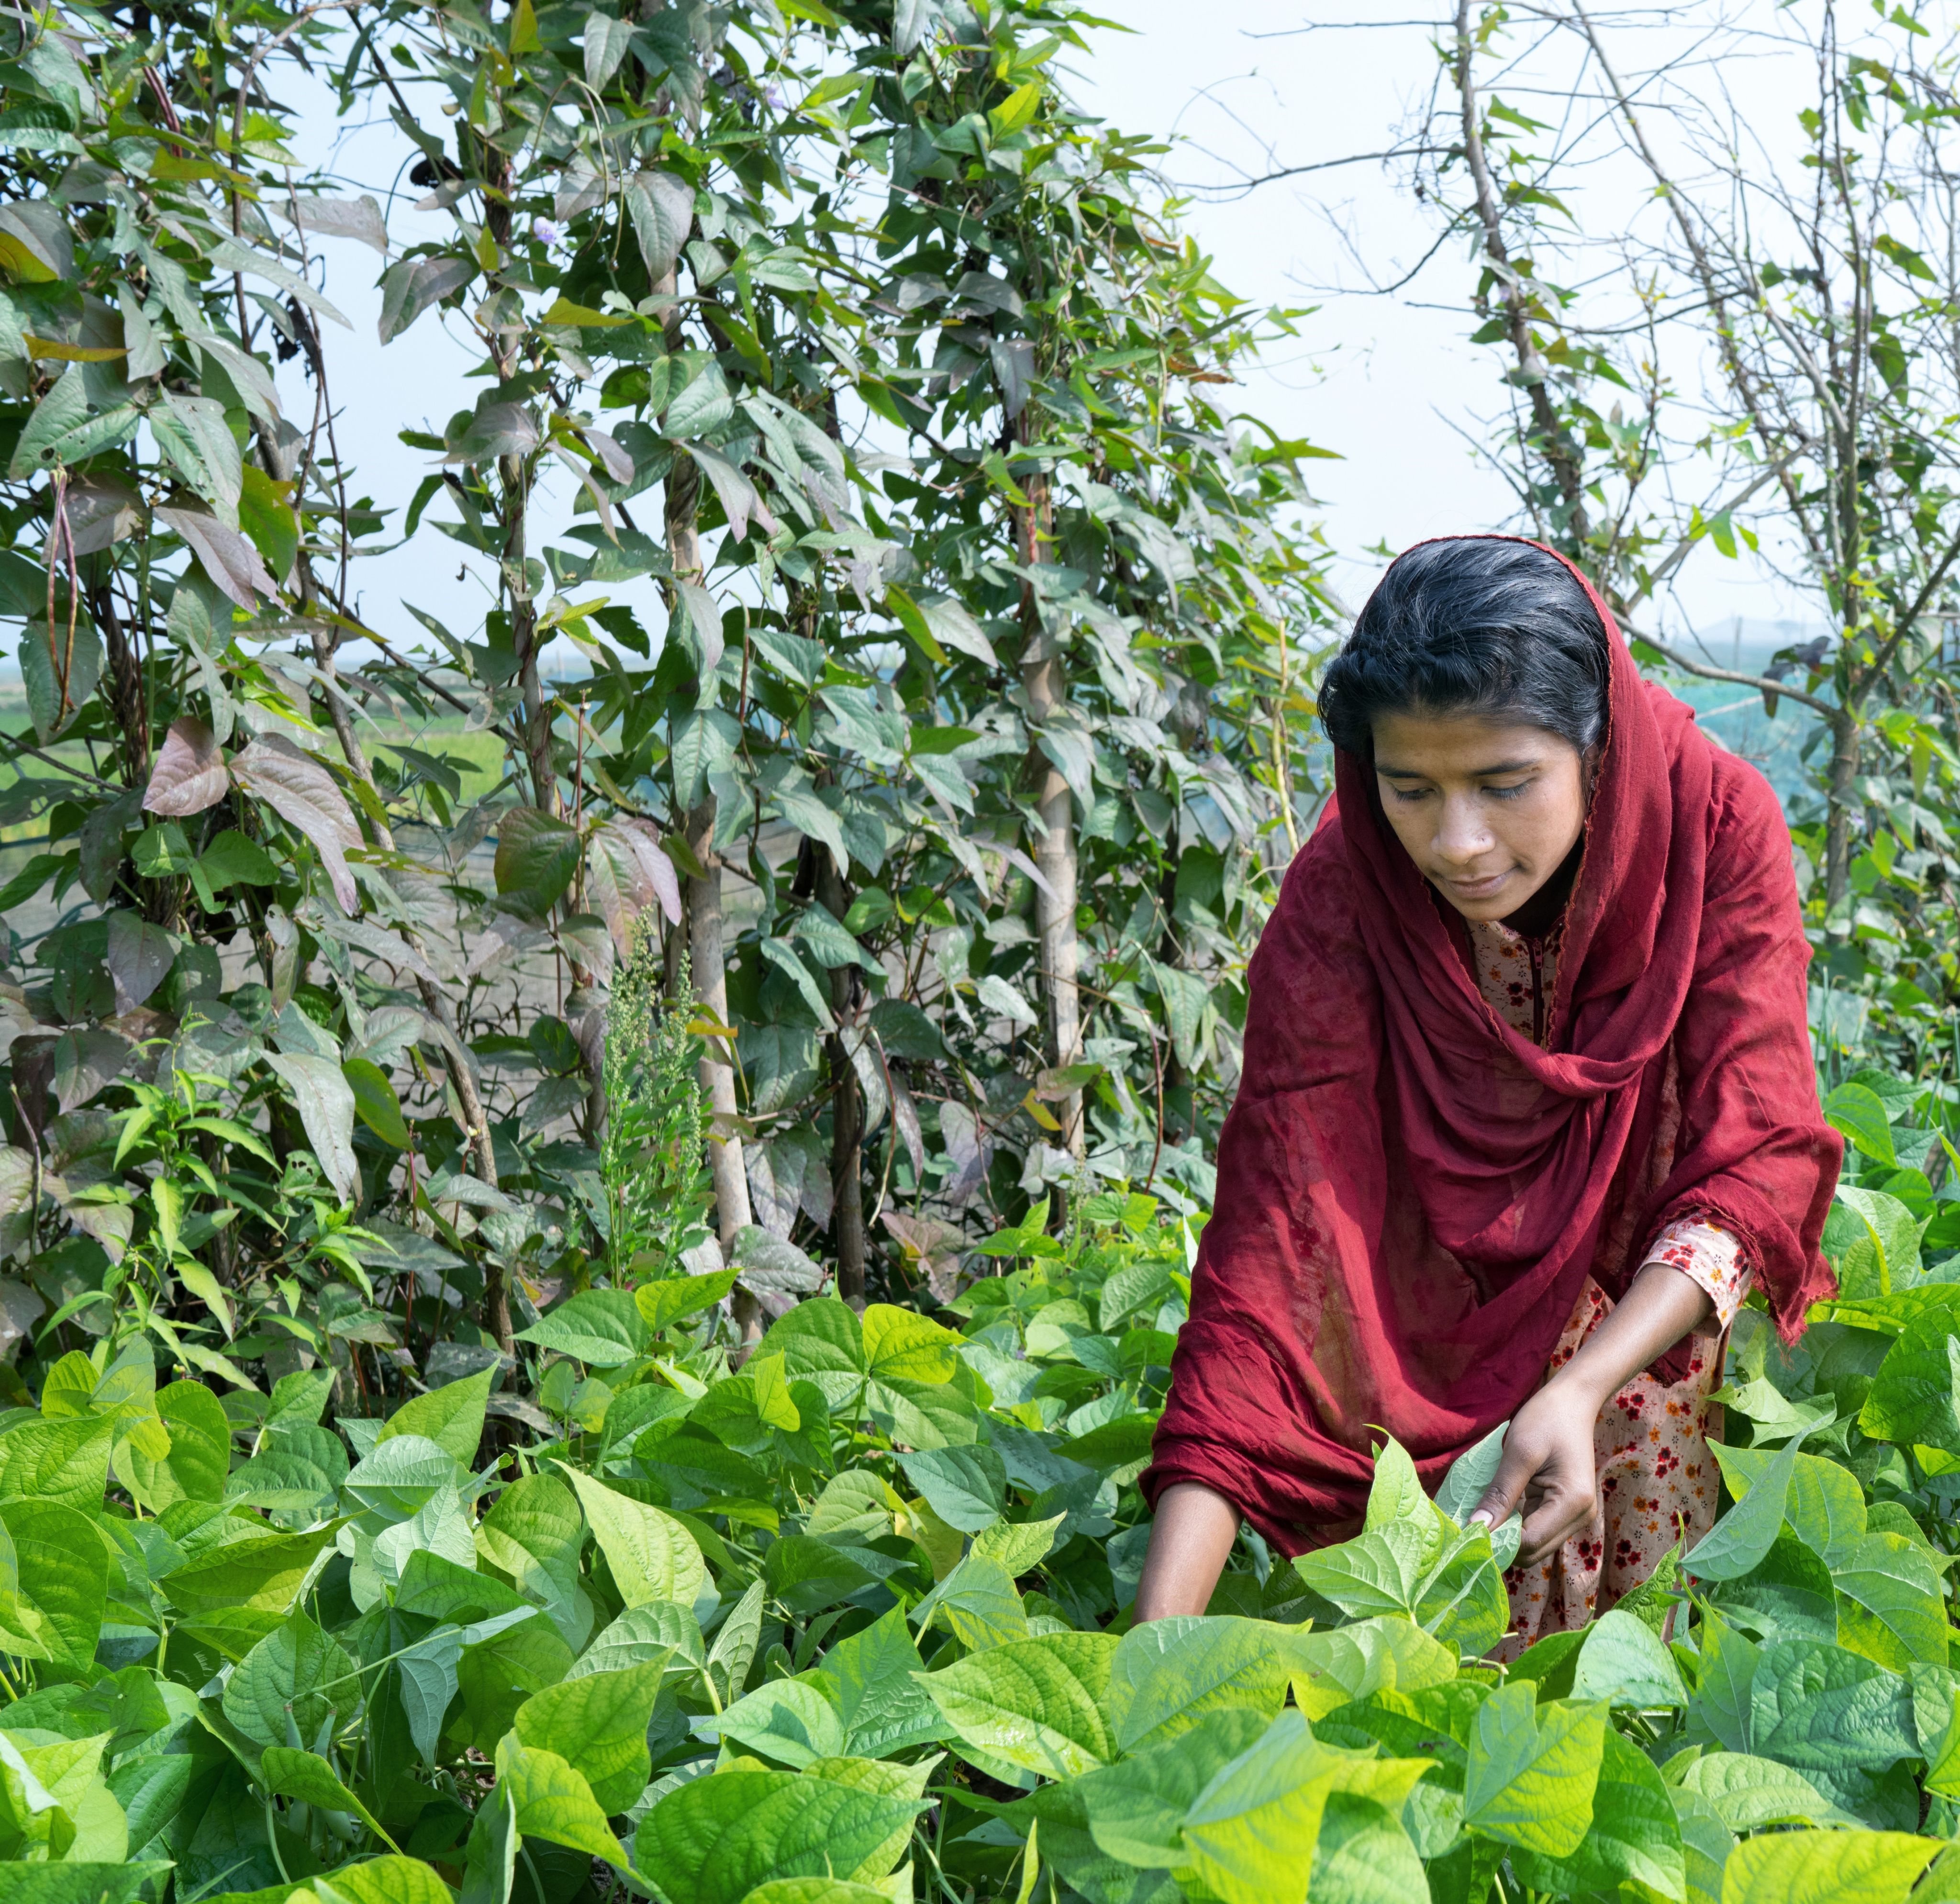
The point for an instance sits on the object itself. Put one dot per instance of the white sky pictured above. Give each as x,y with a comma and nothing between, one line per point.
1389,382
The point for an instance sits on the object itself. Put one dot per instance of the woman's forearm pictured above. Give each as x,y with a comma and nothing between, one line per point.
1663,1305
1191,1540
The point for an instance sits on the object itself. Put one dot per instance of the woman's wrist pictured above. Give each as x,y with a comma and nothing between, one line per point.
1663,1306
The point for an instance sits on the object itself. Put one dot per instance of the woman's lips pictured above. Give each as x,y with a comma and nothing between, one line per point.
1477,888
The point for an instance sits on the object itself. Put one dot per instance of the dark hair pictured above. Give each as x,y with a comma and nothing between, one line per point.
1472,626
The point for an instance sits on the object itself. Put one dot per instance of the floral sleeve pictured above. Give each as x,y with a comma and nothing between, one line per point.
1714,1258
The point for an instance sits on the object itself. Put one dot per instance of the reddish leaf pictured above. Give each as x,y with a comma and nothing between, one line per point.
536,856
629,873
139,955
228,557
189,774
303,793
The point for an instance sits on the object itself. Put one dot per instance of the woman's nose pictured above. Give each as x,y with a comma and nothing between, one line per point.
1462,836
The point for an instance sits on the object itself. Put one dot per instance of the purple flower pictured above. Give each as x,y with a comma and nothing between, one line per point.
547,233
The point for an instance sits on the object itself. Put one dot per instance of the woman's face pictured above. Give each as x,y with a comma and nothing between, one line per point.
1487,809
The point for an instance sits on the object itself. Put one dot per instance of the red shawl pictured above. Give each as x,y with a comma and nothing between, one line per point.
1411,1195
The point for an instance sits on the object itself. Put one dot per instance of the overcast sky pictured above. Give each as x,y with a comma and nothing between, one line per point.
1389,383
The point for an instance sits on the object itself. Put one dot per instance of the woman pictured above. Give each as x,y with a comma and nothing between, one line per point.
1528,1108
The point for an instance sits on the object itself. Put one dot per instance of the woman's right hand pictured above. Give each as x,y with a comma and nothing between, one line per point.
1191,1540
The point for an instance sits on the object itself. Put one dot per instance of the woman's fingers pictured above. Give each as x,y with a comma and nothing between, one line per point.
1515,1473
1566,1507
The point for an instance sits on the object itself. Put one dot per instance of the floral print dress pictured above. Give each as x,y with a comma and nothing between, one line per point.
1658,1482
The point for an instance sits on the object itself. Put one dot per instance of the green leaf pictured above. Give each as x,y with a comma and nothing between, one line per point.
1826,1868
553,1802
597,1723
306,1776
200,1454
1747,1793
451,1416
63,1569
1386,1654
1875,1246
602,1327
980,1602
1624,1663
1890,1607
900,1346
1738,1542
537,854
382,1880
652,1556
1470,1474
65,1461
1532,1771
375,1103
1035,1705
1136,1808
1396,1495
233,859
81,1884
1250,1836
821,1340
1363,1855
1915,1396
296,1673
1859,1114
1170,1674
715,1840
872,1679
674,1298
264,1572
792,1721
1816,1706
966,1487
1634,1839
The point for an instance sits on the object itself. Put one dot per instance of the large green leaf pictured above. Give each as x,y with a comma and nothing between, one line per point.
1168,1675
715,1840
1890,1606
1035,1705
1532,1771
1819,1708
1915,1396
652,1556
966,1487
1624,1663
554,1802
1363,1855
64,1578
1387,1653
603,1327
451,1416
1739,1541
1136,1808
264,1572
64,1462
791,1721
1747,1793
872,1678
537,854
1872,1241
597,1723
1250,1835
1634,1838
1826,1868
200,1452
296,1679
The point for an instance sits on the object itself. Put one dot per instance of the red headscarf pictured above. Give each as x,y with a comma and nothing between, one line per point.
1411,1195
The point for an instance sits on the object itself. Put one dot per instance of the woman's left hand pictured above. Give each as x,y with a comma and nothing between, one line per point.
1548,1461
1548,1469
